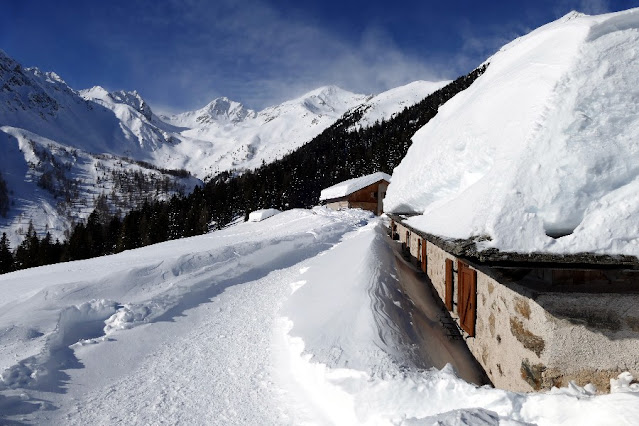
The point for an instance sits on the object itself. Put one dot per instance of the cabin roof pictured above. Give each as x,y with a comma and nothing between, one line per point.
347,187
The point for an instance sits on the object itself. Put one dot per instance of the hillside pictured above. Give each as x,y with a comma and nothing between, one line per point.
540,154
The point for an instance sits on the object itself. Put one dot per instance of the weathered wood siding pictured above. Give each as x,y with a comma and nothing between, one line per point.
369,198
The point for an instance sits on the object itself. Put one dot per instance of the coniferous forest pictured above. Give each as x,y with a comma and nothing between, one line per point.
341,152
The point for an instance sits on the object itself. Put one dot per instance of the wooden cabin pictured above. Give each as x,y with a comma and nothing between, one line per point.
533,320
365,192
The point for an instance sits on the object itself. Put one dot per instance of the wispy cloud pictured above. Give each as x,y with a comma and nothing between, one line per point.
252,52
589,7
181,54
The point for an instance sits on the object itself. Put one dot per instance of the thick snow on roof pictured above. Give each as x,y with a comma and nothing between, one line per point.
260,215
349,186
545,143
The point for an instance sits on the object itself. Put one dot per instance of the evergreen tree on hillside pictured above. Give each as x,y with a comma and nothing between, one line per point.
6,257
27,252
48,251
4,197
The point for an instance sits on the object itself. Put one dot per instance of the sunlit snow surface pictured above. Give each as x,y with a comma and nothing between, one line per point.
271,322
544,144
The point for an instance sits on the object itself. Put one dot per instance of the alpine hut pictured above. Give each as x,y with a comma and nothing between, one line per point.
365,192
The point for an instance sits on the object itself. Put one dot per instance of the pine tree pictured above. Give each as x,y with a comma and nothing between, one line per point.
4,197
27,253
7,263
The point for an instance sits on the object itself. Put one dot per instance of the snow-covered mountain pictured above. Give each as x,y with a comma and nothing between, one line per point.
541,152
225,135
219,110
61,155
62,149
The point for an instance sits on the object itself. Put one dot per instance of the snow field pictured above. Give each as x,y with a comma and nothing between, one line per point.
274,322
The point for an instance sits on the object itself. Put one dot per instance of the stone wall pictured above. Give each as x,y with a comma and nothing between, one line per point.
527,340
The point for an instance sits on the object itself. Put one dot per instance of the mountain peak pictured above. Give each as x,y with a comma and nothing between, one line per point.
223,109
328,91
132,99
327,99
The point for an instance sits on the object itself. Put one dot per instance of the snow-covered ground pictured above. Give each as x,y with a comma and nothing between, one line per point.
272,322
541,152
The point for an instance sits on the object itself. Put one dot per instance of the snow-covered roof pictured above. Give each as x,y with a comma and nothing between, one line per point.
347,187
543,144
260,215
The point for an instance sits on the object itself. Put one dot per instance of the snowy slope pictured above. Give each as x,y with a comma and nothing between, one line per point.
43,104
243,326
387,104
225,135
60,152
53,185
542,145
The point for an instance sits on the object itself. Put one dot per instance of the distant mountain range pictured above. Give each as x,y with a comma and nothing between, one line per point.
62,151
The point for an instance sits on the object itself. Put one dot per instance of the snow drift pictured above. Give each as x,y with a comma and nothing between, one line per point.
260,215
541,152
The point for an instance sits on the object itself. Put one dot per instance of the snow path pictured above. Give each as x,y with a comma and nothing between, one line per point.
217,370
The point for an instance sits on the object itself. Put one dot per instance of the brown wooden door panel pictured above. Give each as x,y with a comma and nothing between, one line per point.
467,298
424,256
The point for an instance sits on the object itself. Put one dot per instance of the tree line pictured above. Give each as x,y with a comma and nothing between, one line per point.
343,151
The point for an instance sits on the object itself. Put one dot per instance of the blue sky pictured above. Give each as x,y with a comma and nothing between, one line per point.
181,54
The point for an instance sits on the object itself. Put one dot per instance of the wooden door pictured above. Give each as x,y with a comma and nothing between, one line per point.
407,243
424,256
448,294
467,298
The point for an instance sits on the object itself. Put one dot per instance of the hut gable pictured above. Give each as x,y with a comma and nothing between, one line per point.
365,192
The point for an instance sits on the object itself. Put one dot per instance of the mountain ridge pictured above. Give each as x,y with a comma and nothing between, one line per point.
108,139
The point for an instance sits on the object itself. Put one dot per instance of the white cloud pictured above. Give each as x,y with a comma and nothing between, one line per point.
594,7
254,53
